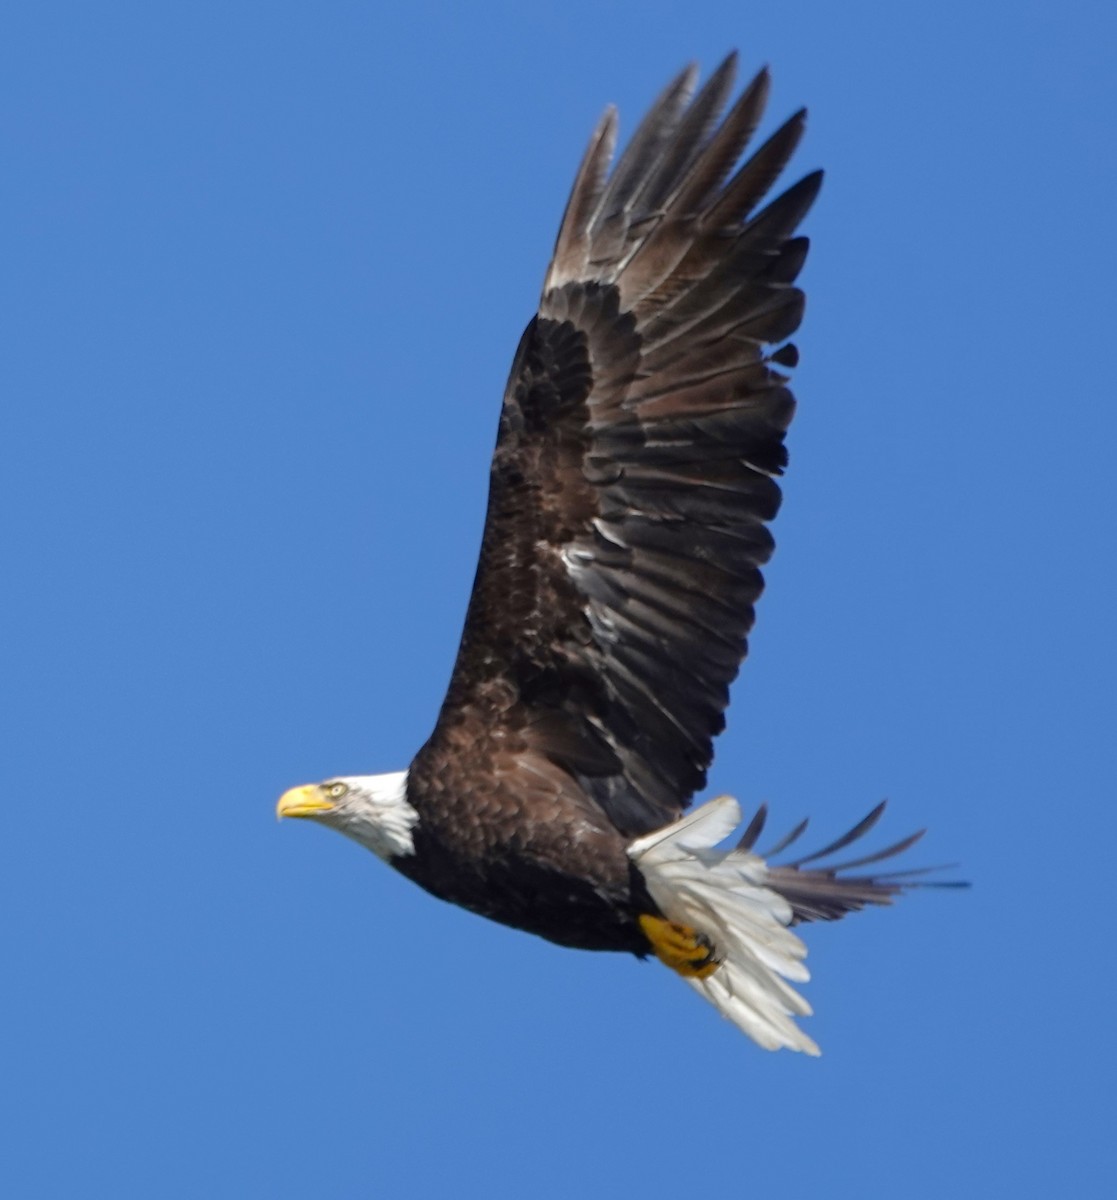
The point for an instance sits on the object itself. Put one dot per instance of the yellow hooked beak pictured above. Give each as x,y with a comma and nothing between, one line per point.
305,801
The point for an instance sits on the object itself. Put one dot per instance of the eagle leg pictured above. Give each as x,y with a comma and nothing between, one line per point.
680,947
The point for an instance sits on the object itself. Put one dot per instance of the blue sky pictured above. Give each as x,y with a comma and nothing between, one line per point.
264,268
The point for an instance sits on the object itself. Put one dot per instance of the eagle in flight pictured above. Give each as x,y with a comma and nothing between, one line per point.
631,489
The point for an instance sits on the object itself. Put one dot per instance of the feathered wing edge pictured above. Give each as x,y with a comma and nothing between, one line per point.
746,908
675,276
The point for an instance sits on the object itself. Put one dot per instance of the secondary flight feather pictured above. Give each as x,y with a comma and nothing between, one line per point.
632,485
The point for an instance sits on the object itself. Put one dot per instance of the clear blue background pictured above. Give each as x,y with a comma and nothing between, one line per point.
263,267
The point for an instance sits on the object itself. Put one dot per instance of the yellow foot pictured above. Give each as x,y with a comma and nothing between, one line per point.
680,947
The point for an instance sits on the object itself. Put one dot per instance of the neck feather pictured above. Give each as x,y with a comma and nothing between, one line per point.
379,815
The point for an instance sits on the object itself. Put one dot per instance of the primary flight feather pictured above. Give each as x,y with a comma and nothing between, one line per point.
632,485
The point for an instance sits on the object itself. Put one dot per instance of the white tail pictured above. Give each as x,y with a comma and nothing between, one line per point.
724,894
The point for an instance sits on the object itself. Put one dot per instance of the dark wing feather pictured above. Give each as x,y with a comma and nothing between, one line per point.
632,479
827,892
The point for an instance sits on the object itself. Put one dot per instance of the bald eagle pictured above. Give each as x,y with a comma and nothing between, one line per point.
634,477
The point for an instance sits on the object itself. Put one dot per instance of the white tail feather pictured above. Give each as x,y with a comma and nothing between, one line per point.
724,895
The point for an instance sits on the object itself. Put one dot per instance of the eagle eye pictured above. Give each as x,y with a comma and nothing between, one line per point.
336,790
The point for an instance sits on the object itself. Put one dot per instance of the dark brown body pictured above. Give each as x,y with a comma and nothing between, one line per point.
545,860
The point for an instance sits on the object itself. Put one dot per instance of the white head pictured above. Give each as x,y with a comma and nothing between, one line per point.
371,809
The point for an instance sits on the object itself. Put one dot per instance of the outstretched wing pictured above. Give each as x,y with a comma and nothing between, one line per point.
632,481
